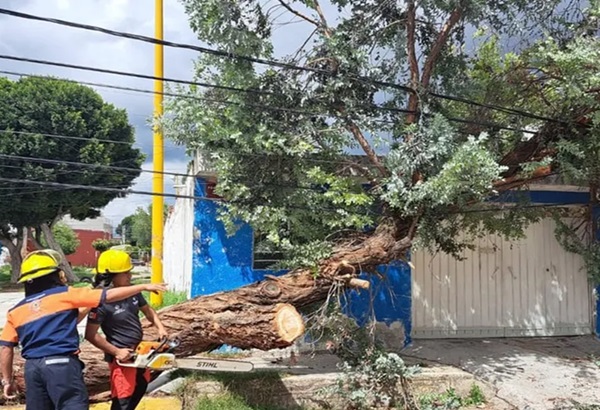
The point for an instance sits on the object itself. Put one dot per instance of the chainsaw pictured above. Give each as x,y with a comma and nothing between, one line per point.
159,356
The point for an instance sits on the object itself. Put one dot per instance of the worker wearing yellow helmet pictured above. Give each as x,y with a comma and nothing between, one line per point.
121,325
44,323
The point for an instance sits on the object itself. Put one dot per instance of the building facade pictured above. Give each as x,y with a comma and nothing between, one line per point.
87,231
531,287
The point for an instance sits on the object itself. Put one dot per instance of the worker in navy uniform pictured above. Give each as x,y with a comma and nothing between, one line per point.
121,325
44,323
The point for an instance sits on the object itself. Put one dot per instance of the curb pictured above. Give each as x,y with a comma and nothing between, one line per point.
148,403
301,390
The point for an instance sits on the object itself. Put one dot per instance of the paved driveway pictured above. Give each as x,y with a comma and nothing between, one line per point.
529,373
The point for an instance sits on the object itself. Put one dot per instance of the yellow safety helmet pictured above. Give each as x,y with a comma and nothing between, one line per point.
113,261
39,263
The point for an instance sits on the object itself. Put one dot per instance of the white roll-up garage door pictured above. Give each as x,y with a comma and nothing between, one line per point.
528,288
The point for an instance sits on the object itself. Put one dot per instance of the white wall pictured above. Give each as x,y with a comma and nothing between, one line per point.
177,248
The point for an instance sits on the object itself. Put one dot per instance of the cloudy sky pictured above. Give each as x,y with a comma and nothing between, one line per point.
39,40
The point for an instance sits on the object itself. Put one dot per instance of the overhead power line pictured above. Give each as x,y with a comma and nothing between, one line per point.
166,94
274,63
66,137
86,165
130,74
124,169
202,198
123,73
131,191
59,136
124,191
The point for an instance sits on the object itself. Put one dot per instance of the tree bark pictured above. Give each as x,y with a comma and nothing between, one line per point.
413,99
52,243
262,315
16,257
35,238
15,265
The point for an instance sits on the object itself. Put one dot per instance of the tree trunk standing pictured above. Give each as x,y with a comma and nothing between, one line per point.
15,265
16,257
65,266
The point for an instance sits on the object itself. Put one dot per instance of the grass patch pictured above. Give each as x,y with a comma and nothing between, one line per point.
81,271
451,400
6,285
251,391
169,298
228,401
140,281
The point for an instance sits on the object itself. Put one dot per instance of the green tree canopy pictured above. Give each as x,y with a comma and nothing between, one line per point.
372,82
124,227
49,119
141,227
138,226
66,237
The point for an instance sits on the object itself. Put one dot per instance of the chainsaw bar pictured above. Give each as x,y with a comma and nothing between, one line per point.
214,365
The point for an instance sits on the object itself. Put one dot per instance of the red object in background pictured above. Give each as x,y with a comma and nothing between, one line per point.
210,190
85,255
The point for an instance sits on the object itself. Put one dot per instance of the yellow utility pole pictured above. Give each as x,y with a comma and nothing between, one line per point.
158,159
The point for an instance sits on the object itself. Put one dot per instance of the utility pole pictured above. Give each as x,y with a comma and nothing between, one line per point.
158,159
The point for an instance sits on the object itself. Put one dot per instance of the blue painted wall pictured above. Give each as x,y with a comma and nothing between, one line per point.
223,263
391,298
219,262
544,197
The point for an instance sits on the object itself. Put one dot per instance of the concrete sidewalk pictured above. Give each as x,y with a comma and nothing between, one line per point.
529,373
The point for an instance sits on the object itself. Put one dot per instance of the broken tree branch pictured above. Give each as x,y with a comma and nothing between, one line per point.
261,315
359,283
360,138
297,13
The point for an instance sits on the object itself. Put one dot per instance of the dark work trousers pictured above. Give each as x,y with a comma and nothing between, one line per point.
55,383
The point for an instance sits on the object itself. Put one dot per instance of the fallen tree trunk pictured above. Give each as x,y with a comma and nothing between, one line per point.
201,325
262,315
